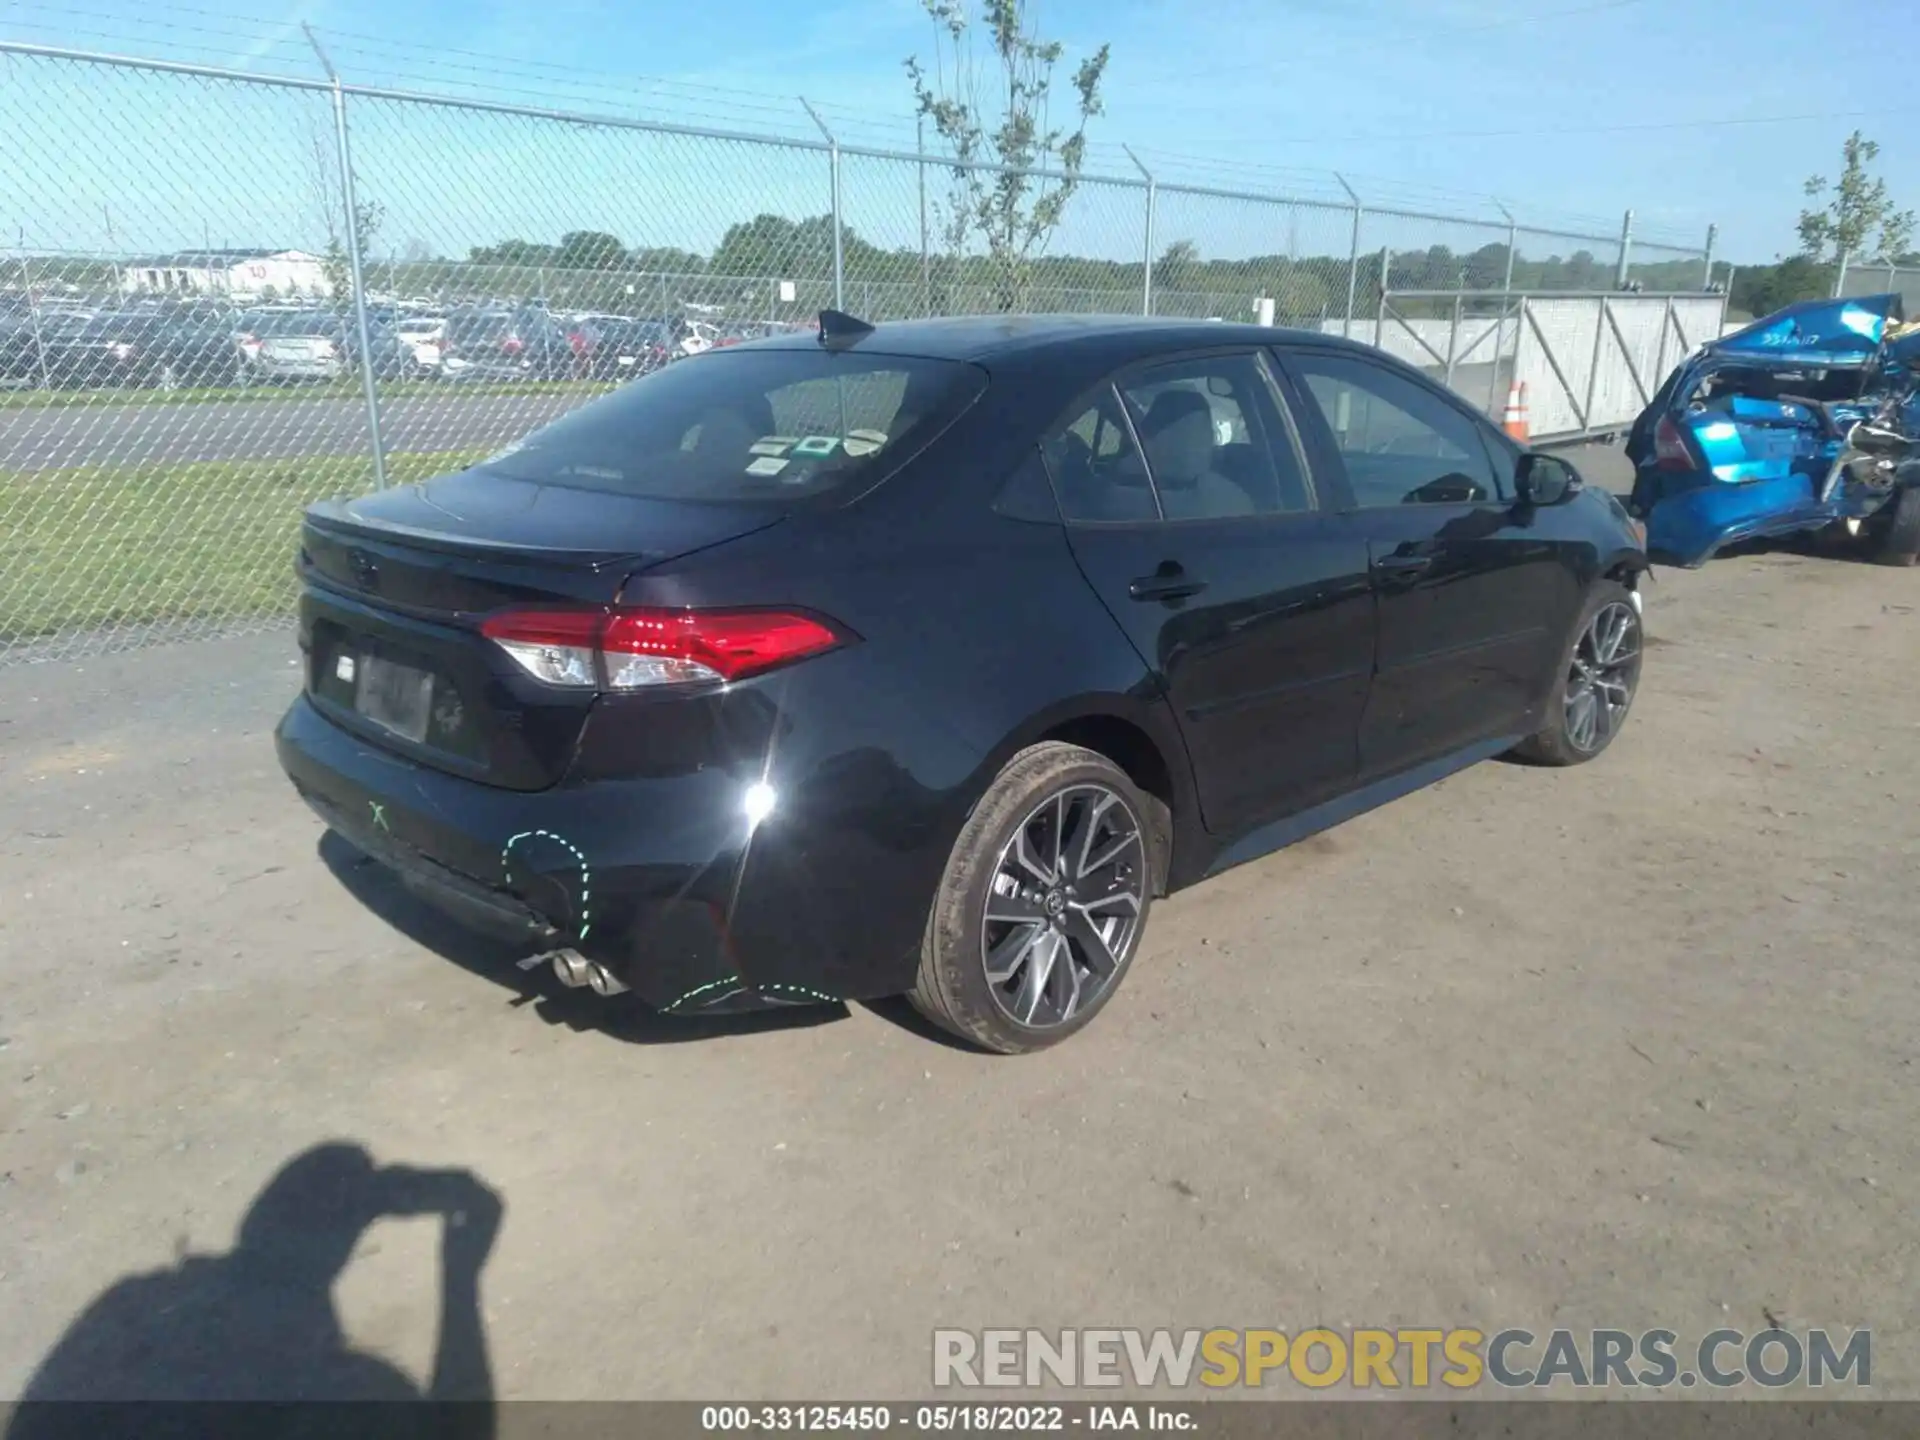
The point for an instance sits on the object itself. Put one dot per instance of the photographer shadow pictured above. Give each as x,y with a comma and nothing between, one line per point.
258,1323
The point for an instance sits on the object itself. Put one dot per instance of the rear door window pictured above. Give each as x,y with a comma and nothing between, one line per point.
750,425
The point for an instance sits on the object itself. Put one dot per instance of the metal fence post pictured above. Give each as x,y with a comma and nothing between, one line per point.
1626,252
1380,315
1840,274
1506,304
1892,275
1453,339
348,200
1146,263
833,173
1706,278
1353,259
33,318
920,172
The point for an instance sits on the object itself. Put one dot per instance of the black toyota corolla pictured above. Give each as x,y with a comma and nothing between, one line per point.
921,658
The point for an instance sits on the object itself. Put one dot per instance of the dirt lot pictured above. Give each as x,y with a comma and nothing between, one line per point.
1629,1045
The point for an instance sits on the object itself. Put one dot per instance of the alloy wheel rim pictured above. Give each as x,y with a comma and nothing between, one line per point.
1063,906
1601,681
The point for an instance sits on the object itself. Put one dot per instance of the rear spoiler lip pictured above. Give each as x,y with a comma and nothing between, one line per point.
331,517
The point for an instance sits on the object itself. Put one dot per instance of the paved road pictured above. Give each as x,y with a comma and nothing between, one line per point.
1630,1045
116,434
110,434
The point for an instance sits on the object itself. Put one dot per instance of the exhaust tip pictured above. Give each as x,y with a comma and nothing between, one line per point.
576,972
603,981
571,968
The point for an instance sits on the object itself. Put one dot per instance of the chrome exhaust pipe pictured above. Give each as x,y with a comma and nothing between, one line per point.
603,981
577,972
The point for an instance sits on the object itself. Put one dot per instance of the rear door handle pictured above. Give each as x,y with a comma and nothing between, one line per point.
1403,564
1166,584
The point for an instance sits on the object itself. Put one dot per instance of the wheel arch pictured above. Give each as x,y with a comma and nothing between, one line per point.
1140,737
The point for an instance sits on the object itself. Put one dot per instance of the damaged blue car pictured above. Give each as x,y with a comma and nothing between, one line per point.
1804,423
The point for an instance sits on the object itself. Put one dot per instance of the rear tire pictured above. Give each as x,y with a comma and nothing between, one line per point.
1586,710
1898,541
1029,936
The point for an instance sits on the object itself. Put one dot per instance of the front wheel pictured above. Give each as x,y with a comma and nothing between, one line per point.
1600,670
1043,903
1896,540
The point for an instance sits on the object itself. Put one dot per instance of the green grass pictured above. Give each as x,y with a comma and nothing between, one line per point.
129,544
267,394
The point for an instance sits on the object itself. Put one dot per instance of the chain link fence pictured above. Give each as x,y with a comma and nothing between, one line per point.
227,295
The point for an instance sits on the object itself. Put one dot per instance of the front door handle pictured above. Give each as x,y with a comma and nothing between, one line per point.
1168,583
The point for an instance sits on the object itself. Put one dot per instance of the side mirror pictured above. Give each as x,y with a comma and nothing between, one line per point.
1543,479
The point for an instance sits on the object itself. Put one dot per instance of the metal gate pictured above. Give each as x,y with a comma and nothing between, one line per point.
1590,361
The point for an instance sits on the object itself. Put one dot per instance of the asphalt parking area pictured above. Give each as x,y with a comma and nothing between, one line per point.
1628,1045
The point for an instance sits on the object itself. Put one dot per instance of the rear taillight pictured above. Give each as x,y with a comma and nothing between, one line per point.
248,341
635,649
511,345
1670,447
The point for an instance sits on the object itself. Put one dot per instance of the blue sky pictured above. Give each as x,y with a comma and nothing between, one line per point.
1569,110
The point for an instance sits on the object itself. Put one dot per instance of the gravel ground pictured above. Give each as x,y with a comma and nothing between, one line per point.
1630,1045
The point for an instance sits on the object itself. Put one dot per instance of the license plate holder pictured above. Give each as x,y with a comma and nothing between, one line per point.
395,697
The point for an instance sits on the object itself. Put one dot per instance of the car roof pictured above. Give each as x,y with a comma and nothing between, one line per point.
987,337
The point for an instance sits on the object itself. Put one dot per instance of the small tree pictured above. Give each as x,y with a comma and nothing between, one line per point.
1011,210
337,264
1855,208
1177,266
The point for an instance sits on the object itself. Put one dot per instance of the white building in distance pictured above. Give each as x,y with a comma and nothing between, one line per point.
243,274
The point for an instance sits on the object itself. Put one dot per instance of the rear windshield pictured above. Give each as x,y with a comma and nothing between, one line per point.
749,425
479,327
314,324
102,326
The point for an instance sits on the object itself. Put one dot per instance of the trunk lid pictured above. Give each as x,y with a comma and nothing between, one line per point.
396,584
1816,333
299,349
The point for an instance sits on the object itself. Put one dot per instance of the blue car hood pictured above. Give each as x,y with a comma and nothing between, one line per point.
1823,334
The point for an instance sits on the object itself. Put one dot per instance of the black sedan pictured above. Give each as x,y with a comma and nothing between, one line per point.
921,659
139,348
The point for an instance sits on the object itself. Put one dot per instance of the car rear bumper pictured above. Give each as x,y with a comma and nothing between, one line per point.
300,369
1689,527
662,881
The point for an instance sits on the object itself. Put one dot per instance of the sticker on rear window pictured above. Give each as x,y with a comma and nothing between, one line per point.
766,465
817,445
772,445
863,442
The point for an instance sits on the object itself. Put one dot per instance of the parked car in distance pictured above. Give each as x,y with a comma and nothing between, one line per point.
523,344
1802,423
922,658
19,342
422,334
138,348
629,349
314,345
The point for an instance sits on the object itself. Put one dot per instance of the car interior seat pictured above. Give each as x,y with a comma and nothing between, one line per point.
1178,436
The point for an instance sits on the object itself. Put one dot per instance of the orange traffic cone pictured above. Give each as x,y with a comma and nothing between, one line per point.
1517,422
